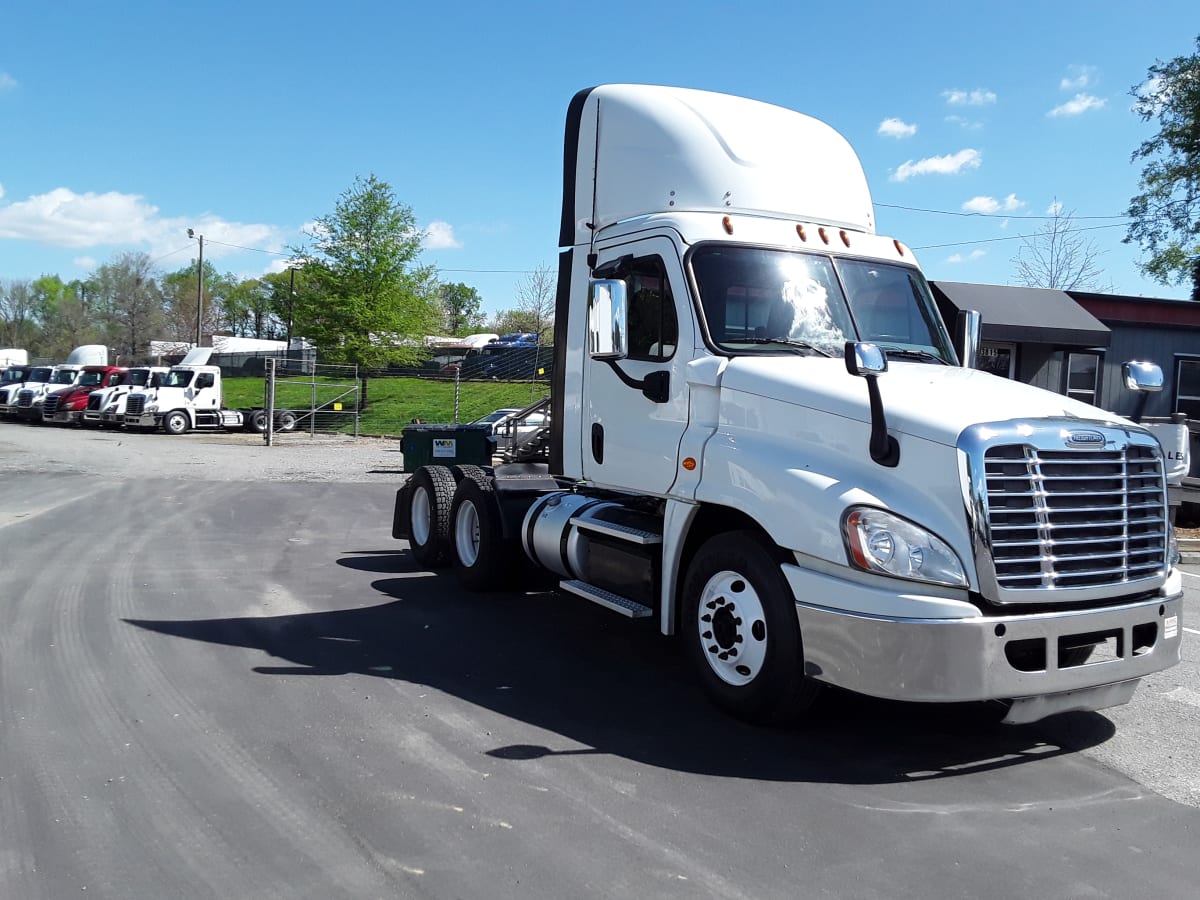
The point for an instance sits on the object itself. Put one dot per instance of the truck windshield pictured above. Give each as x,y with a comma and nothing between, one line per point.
776,301
177,378
137,377
41,374
13,374
64,376
90,379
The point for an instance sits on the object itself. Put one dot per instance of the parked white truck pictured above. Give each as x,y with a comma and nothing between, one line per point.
189,398
764,440
106,408
26,404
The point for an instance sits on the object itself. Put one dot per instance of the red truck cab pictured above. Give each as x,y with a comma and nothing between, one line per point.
66,407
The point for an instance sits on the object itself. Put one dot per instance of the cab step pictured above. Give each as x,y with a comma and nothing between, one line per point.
615,602
612,529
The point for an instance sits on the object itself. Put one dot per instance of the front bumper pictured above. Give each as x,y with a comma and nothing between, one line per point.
65,417
145,420
980,657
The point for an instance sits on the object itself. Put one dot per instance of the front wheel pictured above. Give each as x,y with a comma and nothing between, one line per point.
741,631
176,422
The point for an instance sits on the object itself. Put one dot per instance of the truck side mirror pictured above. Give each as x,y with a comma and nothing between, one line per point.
607,319
1143,377
967,327
867,361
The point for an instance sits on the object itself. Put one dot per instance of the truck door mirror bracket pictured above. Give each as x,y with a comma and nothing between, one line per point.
867,361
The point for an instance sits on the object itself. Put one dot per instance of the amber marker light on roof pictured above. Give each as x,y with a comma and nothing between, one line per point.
728,223
800,231
845,238
689,464
824,236
899,247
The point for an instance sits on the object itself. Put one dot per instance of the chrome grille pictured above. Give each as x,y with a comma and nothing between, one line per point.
50,406
25,399
1075,518
134,405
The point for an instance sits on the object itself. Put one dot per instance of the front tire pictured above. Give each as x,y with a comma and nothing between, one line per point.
176,422
741,631
429,515
483,559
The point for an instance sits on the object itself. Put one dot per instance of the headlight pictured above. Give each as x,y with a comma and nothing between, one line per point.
1173,557
879,541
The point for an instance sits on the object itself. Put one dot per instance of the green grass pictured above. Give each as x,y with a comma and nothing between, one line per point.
392,403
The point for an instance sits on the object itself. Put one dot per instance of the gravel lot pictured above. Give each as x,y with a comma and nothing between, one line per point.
208,456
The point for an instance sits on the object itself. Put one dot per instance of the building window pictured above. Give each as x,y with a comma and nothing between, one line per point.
1187,387
997,358
1083,377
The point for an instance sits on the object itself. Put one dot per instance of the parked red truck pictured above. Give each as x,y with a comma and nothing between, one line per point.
66,407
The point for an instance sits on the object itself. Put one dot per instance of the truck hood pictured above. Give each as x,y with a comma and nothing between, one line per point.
928,401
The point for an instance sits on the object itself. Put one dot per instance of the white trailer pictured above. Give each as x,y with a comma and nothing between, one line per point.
765,441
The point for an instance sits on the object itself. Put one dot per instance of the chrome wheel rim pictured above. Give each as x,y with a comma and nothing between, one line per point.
420,517
466,534
732,628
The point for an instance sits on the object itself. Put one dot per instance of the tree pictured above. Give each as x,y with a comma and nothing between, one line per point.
18,314
1058,257
369,302
535,306
129,303
1166,214
179,289
462,308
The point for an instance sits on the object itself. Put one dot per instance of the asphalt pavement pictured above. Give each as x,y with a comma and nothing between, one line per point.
212,688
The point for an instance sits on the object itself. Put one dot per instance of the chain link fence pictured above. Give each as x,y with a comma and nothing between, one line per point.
304,398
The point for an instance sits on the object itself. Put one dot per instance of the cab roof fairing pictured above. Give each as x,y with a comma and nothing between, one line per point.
634,150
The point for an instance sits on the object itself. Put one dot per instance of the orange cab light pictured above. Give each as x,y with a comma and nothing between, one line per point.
800,231
899,247
689,463
728,223
845,238
824,236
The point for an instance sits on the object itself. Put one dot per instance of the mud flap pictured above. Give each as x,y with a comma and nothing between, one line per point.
400,515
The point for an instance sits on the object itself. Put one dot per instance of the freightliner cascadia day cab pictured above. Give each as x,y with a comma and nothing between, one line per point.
189,397
764,441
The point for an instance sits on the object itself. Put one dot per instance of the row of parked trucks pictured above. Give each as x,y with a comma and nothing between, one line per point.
87,391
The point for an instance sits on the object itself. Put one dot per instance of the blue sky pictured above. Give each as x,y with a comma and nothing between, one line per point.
126,124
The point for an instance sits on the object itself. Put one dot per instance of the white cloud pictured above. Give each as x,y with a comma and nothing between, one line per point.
940,165
1078,78
63,218
1055,208
955,258
440,236
989,205
1077,105
84,262
1,192
976,97
896,128
965,124
7,82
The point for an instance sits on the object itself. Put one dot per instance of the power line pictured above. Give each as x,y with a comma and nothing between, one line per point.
995,215
252,249
1013,237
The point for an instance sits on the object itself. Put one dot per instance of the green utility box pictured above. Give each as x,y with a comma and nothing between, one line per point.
447,445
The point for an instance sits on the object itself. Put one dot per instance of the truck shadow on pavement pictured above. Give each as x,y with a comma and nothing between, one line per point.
621,688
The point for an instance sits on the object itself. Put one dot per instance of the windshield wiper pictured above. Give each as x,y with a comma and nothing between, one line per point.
787,342
906,353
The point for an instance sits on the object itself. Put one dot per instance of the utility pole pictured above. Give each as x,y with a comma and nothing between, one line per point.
199,286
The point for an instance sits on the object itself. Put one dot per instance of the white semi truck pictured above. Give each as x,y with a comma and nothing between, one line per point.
188,397
26,404
106,408
765,441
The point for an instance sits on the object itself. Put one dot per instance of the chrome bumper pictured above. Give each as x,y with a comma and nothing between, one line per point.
146,420
979,658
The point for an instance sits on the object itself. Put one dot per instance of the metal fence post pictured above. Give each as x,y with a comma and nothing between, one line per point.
269,400
457,383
